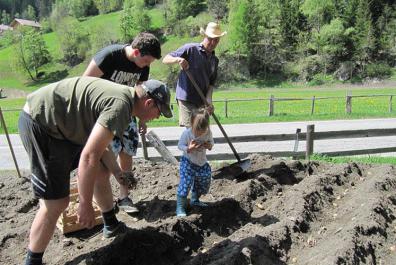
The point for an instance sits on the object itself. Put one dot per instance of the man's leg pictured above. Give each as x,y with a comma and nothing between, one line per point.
126,163
124,202
44,224
104,198
185,110
102,191
129,148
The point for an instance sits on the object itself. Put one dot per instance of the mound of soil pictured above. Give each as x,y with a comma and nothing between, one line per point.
279,212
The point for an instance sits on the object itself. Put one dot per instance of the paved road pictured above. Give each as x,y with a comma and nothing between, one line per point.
6,161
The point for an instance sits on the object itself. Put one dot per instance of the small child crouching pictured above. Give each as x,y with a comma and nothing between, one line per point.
195,171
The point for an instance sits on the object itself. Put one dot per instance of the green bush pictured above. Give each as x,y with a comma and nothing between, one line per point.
320,79
310,66
292,71
377,70
6,39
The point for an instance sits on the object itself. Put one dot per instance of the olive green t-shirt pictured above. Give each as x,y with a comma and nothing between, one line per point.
70,108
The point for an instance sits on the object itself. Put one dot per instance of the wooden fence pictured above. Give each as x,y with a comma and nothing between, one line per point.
310,136
272,100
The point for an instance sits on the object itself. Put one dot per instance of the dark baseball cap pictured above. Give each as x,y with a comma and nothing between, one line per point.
161,95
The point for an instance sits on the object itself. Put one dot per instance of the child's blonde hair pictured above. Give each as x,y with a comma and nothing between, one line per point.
200,119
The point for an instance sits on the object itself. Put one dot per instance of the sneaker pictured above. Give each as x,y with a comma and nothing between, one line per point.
127,206
112,231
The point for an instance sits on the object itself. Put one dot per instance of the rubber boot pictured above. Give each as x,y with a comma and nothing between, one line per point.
194,201
181,205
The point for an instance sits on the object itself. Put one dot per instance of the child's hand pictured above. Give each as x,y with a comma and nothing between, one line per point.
193,145
207,145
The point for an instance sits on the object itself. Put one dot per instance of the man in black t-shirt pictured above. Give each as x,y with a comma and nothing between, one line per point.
127,65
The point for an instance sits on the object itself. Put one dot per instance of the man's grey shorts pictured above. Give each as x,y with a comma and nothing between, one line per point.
186,108
51,159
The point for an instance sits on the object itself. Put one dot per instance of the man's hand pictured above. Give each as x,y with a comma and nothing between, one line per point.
126,178
183,63
142,128
86,215
210,108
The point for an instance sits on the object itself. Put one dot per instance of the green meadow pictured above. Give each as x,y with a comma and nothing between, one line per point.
256,110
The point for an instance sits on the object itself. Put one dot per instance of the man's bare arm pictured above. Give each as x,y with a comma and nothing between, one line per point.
169,59
89,167
93,70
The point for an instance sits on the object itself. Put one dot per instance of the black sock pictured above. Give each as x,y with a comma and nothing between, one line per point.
33,258
109,218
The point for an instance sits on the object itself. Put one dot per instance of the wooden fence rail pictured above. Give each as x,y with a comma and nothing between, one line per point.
310,136
272,100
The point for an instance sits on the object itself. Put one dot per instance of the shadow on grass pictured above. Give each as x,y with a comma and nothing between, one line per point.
49,78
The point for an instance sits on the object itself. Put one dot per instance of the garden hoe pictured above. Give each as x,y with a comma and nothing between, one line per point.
236,168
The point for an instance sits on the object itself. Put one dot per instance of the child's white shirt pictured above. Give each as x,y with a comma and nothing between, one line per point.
198,156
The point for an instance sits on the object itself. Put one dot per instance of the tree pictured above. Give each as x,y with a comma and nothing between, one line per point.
177,10
387,35
238,27
29,13
219,8
78,8
59,12
331,42
31,51
317,12
364,37
134,19
106,6
44,8
5,18
289,22
74,41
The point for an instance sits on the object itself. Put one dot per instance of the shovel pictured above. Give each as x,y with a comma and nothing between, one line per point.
238,167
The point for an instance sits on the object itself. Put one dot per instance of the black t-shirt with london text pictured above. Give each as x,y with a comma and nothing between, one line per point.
116,67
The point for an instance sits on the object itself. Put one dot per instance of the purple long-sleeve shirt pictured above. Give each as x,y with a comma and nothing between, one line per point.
202,66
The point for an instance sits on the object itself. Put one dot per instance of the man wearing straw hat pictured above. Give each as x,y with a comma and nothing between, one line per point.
200,60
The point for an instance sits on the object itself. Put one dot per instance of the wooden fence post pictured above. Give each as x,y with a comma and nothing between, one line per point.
226,108
271,106
161,148
144,146
296,141
390,103
2,121
348,107
313,105
309,141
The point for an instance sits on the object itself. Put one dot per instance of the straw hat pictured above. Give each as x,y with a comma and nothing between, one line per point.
213,30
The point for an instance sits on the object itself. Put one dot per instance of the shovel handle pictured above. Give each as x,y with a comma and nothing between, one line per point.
213,115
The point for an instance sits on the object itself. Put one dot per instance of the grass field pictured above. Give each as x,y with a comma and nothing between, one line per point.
360,159
257,111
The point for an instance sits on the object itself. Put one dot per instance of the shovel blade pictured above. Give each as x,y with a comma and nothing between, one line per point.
239,167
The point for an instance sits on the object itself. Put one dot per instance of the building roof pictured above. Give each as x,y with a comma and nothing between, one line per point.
25,22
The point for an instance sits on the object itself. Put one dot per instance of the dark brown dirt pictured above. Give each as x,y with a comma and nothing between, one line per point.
279,212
